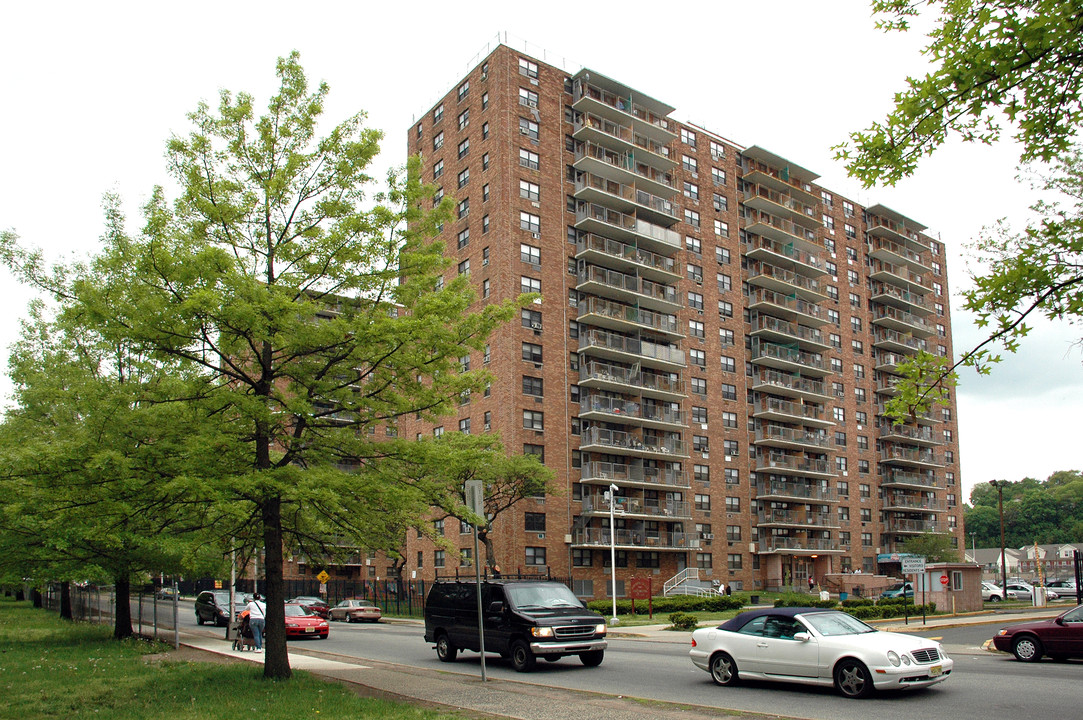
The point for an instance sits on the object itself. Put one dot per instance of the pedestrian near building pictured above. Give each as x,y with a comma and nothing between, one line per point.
257,620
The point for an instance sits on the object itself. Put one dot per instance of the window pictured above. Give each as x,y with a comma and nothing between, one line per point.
532,352
464,267
836,365
839,414
485,101
858,347
729,419
728,364
437,169
438,140
528,68
485,159
535,556
582,557
695,273
529,190
862,417
529,222
697,357
859,393
829,223
537,451
832,268
533,420
866,515
844,513
464,90
733,504
695,300
729,392
464,238
532,386
721,229
464,119
485,229
699,414
734,561
853,277
720,203
733,476
718,176
464,426
528,159
847,208
529,284
855,300
688,137
438,431
647,559
529,254
701,443
464,178
701,473
689,163
866,541
464,208
833,317
534,522
438,113
693,244
691,190
464,148
855,324
691,217
725,282
528,128
486,288
695,328
703,561
851,232
725,309
844,489
528,98
722,255
703,502
485,193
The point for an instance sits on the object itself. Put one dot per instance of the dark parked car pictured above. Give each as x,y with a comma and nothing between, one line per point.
1059,638
212,606
523,619
314,604
897,591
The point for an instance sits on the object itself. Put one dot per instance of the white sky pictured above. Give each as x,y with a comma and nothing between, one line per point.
92,91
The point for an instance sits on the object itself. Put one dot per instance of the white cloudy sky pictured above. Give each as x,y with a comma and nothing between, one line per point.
92,90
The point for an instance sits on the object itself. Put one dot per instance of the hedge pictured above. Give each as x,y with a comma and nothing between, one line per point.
857,602
800,600
674,603
683,621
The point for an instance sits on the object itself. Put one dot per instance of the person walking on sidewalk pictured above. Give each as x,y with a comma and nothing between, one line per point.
257,620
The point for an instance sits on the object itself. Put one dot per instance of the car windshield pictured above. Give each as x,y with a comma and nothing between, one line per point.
836,623
297,611
542,596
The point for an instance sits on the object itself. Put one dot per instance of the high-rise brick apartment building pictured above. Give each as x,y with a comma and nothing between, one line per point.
716,338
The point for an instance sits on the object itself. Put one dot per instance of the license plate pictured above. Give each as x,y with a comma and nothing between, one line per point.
935,670
312,629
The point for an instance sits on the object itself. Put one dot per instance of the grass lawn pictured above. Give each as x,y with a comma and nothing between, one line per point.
50,668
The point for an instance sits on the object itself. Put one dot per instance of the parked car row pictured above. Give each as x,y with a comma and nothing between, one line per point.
306,616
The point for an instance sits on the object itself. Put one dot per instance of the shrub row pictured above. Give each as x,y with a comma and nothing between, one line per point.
675,603
683,621
889,610
800,600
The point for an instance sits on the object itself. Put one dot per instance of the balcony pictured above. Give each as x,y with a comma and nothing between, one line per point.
625,443
781,205
884,222
788,307
904,502
640,508
792,438
616,378
787,282
621,348
887,385
633,475
620,226
894,477
784,545
910,456
886,294
897,254
626,198
914,434
784,255
779,463
896,319
925,418
629,412
597,280
635,539
600,312
900,276
909,526
772,408
780,331
594,128
780,230
623,167
608,98
888,361
796,519
783,491
624,256
789,385
895,341
786,358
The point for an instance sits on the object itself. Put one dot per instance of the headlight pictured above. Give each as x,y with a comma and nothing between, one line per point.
1002,631
541,632
893,658
906,659
600,628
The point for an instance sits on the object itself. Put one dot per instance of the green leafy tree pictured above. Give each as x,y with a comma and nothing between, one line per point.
935,547
304,314
995,63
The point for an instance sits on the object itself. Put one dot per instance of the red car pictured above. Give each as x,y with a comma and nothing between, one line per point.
1059,638
313,603
302,623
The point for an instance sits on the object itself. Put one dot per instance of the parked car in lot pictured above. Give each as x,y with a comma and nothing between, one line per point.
903,589
812,646
524,619
1063,588
355,610
1059,638
167,593
991,592
313,603
1025,591
301,622
213,606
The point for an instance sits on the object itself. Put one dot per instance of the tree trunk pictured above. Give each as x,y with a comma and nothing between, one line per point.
122,621
38,600
65,600
276,662
490,551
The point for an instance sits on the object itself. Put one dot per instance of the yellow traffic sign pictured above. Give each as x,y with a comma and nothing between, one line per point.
323,576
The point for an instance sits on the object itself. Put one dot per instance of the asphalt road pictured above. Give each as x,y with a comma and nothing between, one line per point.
983,684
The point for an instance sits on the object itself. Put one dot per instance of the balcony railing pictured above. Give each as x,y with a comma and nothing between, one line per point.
631,283
663,509
779,543
786,381
638,539
621,440
633,346
781,224
626,222
916,456
788,302
766,272
624,161
632,473
793,330
600,307
584,89
880,268
800,411
627,252
912,479
910,432
811,491
911,502
796,517
778,198
813,361
894,524
899,250
891,315
626,376
788,435
883,336
882,292
626,192
628,408
780,462
876,222
790,252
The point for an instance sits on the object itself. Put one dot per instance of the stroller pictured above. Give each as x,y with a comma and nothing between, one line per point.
242,634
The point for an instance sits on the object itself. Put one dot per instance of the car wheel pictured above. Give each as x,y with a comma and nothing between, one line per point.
199,619
349,619
592,658
994,598
852,679
723,669
522,658
444,649
1027,648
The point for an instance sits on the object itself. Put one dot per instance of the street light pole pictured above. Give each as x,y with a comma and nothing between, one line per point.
974,546
613,549
999,485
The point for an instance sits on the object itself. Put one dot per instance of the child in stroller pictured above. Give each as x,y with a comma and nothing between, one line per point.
242,634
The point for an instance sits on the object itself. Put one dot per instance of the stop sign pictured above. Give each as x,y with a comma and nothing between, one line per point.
943,579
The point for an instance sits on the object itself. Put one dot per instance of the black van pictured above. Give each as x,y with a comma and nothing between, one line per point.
524,619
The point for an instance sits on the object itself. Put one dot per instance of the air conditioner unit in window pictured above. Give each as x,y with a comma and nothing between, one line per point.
536,236
524,131
535,326
708,536
487,427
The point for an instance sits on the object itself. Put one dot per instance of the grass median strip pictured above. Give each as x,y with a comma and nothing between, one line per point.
50,668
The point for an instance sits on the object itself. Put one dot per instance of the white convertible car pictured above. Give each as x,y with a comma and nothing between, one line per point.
817,647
